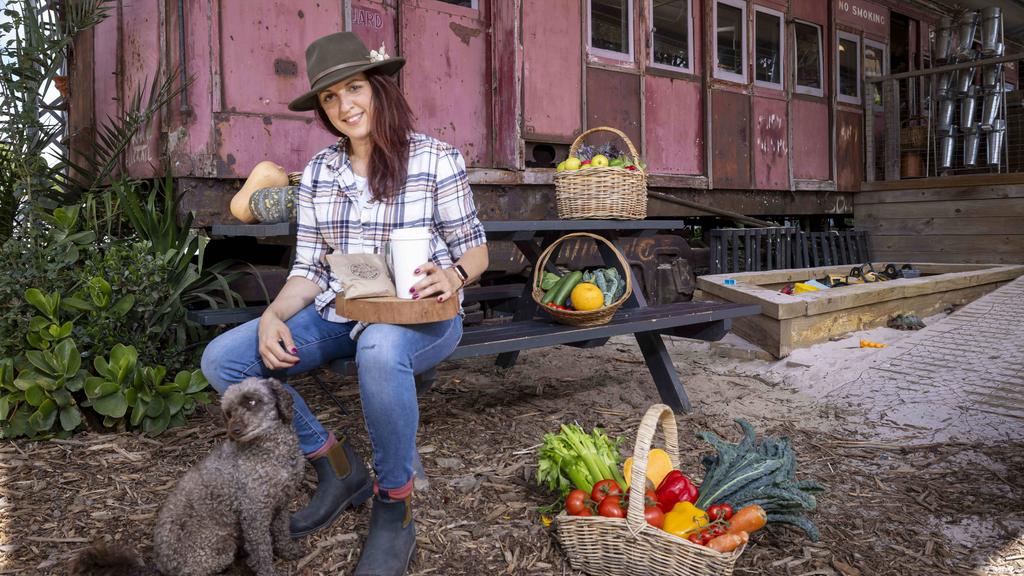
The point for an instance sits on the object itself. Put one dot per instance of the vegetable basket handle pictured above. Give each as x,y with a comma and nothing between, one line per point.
538,270
658,413
629,144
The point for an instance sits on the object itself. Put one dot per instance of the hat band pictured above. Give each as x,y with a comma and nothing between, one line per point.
336,68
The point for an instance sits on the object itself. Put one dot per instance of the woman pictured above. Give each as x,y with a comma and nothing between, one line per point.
380,176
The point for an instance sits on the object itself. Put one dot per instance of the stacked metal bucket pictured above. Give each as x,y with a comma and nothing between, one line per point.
960,85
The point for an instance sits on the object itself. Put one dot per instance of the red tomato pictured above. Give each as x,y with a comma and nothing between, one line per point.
695,538
575,502
726,511
585,512
611,506
654,516
605,488
715,512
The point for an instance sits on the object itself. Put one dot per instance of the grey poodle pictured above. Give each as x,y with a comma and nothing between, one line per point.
237,496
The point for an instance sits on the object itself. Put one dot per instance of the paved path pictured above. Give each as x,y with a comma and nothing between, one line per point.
960,378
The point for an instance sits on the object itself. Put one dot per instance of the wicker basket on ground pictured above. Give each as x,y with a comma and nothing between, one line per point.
603,192
632,547
582,317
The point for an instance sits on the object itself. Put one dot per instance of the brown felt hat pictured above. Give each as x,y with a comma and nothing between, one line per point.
332,58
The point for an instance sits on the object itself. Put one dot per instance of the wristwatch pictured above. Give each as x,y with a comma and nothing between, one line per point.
461,272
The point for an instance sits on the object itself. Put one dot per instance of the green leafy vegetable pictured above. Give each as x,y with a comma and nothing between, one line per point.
573,458
762,473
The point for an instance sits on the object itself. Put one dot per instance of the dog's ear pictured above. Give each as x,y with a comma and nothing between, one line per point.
282,399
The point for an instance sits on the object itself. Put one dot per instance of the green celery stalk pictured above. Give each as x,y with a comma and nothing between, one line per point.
585,449
609,452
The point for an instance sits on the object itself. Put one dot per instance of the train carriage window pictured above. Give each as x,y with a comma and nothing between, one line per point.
848,65
731,40
874,65
808,59
768,49
465,3
611,28
672,34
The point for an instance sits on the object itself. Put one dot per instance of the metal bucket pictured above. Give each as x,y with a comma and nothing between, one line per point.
968,106
991,28
944,39
964,80
947,109
990,75
946,82
947,144
990,109
994,142
968,27
972,138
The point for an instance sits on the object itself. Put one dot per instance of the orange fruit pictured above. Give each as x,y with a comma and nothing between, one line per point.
586,296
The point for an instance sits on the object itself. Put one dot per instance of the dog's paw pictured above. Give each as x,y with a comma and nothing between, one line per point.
290,550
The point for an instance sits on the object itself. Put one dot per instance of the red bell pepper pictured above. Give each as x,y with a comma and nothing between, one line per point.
676,487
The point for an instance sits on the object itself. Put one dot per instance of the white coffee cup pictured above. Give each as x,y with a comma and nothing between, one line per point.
409,248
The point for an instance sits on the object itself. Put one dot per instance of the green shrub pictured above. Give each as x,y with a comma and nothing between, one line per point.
63,257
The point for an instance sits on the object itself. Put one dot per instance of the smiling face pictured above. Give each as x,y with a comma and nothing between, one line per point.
349,106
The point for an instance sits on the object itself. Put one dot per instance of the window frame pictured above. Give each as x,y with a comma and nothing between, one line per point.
611,54
781,84
474,5
801,88
688,69
840,97
875,45
717,72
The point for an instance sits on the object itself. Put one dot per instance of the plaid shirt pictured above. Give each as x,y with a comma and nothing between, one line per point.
436,194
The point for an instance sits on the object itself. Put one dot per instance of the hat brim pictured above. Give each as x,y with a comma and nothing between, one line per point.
308,101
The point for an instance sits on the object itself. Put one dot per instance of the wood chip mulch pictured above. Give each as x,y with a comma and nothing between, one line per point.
890,509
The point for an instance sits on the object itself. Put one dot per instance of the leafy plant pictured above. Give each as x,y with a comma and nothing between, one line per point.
37,44
48,380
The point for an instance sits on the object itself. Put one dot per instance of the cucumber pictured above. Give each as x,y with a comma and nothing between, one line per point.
563,290
549,296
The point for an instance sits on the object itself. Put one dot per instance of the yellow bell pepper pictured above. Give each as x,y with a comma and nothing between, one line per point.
684,518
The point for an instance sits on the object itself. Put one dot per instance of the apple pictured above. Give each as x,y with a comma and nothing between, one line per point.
572,163
560,167
599,160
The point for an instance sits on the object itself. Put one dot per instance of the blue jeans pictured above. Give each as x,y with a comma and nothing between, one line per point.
387,356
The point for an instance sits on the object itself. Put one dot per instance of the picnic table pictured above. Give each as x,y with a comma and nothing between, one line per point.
529,329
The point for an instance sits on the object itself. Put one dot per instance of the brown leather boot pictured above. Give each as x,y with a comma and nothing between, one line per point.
342,481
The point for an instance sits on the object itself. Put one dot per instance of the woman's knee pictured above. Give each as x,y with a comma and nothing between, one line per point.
223,359
378,348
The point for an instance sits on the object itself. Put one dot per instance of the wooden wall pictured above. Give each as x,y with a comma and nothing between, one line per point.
976,224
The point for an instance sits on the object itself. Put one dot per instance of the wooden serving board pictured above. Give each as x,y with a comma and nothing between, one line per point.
392,310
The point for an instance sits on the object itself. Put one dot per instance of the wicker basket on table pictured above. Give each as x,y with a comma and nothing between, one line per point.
582,318
630,546
603,192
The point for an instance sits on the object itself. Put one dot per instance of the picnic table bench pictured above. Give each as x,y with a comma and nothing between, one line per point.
529,329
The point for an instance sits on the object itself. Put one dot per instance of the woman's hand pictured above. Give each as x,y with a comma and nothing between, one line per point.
441,283
276,347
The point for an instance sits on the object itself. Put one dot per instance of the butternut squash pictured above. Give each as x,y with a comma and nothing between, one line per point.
266,174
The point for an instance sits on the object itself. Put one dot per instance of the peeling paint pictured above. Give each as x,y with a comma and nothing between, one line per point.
465,33
268,120
285,67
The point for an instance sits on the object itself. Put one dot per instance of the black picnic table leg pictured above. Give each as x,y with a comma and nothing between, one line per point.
666,379
526,307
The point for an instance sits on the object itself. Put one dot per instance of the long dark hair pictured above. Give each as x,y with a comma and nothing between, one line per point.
392,124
